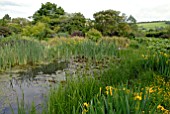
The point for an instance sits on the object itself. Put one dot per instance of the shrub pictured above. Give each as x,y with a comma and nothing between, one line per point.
155,34
15,28
165,36
134,44
168,22
4,31
94,35
39,30
62,34
131,35
77,33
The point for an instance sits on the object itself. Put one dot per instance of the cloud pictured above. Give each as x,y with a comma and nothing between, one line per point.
8,3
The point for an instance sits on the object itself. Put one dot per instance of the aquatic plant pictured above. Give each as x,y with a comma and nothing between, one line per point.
20,52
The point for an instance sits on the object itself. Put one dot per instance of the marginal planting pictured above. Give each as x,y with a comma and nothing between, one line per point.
129,85
20,52
157,58
159,62
135,78
85,49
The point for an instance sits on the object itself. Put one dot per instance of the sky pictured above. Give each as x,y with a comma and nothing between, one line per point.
142,10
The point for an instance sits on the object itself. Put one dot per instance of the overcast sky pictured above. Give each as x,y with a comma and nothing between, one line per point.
142,10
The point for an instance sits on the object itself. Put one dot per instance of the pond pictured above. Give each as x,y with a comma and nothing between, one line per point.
31,82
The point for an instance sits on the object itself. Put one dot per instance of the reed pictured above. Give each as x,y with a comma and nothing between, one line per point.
20,52
85,48
158,62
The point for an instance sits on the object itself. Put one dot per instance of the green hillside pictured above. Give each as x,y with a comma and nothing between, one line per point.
152,25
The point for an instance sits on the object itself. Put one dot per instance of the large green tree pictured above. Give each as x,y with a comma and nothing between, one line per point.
107,22
5,20
89,24
7,17
48,10
73,22
111,22
131,19
49,14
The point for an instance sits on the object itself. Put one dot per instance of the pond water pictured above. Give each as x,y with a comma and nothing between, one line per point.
32,83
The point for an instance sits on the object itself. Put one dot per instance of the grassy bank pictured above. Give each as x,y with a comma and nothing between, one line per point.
152,25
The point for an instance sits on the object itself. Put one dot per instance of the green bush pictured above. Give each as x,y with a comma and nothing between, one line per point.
39,30
4,31
15,28
94,35
134,44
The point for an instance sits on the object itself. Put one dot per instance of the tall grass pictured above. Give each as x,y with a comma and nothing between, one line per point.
158,62
68,100
157,58
87,48
19,52
120,100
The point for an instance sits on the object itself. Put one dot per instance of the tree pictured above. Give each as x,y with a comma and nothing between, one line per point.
48,9
131,19
50,15
72,23
5,20
20,21
107,22
124,29
132,23
6,17
89,24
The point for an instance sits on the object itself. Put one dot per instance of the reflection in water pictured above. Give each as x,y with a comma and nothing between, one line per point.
33,84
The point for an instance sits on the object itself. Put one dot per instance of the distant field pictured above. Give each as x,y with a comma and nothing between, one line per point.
152,25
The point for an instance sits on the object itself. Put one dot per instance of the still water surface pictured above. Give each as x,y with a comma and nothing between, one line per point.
32,83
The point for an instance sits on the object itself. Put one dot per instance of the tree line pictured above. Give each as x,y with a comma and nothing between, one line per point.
51,20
